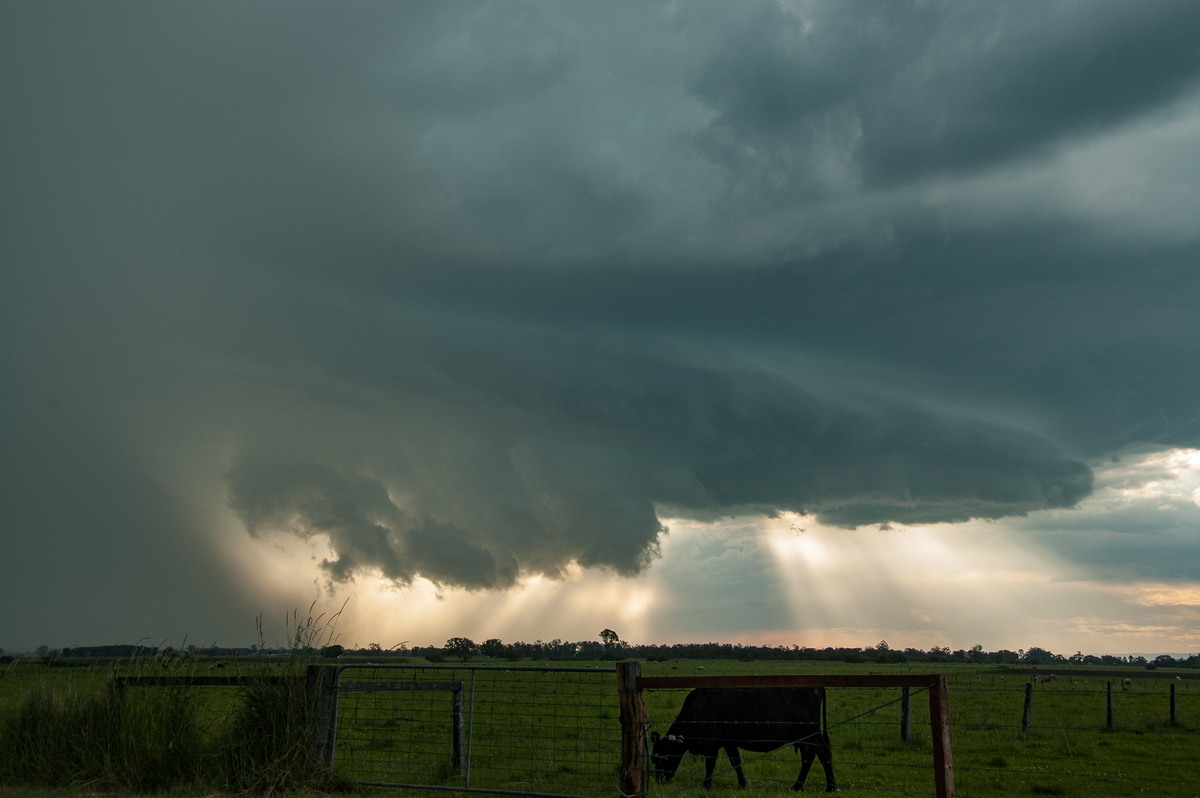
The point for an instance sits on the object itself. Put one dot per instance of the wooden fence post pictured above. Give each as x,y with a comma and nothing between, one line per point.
905,713
1027,713
633,728
939,717
320,683
1110,708
1174,717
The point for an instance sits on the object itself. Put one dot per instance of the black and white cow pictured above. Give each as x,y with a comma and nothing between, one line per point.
748,718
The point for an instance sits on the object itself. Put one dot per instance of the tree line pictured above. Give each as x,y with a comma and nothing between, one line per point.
609,646
612,647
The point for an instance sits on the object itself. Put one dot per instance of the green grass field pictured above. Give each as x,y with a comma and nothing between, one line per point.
540,731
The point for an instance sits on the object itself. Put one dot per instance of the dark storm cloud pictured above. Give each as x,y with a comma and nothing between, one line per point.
543,452
913,90
473,290
362,524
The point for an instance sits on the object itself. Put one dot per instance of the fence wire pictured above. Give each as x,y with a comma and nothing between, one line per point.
551,731
1068,749
1073,741
556,731
865,760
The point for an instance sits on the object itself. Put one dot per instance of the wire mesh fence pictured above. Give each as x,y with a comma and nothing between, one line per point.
557,730
1067,747
534,730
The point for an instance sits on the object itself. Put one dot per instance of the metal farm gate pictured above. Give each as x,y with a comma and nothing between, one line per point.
528,730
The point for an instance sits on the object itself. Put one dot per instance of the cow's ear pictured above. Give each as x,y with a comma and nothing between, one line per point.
654,737
675,738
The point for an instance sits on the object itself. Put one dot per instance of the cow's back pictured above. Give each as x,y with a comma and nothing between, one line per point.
753,718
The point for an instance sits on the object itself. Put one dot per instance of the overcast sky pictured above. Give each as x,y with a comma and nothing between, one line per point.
792,322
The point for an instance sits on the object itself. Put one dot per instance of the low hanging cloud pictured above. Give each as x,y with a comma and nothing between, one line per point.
364,527
541,470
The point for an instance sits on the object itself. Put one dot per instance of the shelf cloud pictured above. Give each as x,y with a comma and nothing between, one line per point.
475,292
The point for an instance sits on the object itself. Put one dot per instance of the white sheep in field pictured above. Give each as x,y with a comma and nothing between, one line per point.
1126,684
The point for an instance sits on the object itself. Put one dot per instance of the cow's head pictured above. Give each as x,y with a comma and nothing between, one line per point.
665,755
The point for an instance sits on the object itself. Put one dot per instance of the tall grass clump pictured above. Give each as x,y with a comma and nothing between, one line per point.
58,738
272,742
68,736
156,737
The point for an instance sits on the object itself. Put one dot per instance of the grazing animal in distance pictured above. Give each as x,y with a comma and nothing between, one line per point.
757,719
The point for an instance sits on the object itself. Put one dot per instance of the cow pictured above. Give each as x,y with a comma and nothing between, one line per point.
749,718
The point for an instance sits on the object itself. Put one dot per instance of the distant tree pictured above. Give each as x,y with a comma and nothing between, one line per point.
492,647
1040,656
332,651
610,638
374,647
461,647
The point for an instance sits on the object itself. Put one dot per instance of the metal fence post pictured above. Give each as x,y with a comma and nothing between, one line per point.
905,713
457,725
633,726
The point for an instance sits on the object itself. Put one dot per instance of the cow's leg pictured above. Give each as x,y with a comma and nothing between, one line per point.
807,753
825,754
735,759
710,762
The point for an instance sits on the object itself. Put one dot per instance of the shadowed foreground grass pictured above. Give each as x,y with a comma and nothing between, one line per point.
146,739
82,730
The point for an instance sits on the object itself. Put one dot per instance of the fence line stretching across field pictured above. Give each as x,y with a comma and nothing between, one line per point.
548,731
